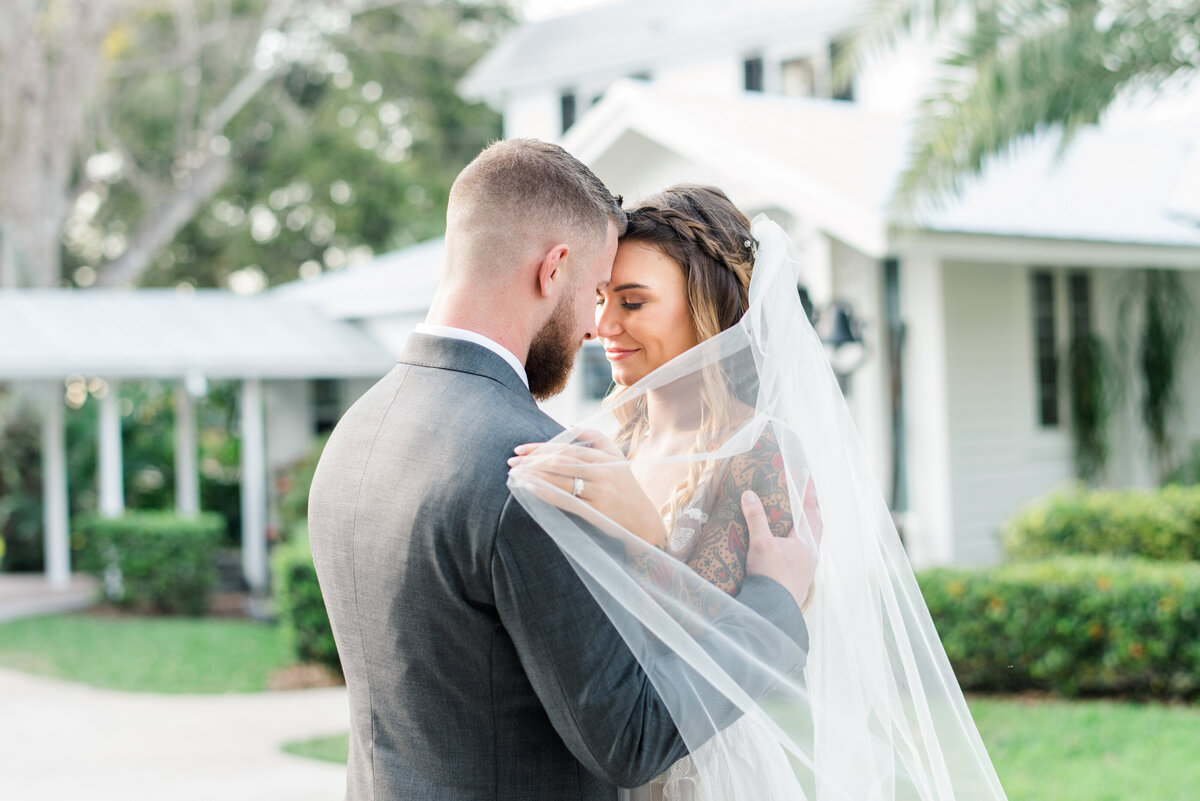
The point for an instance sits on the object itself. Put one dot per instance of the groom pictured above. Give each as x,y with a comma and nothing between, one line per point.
477,664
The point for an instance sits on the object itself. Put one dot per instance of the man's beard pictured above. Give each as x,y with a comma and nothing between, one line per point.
552,353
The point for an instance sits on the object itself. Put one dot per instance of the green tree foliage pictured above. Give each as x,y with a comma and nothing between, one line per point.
147,426
250,136
1014,68
351,156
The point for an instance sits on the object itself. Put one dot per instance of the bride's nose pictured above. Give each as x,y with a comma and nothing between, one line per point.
606,323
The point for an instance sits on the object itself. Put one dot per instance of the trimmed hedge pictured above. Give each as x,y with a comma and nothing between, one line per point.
164,562
1088,624
1163,524
300,605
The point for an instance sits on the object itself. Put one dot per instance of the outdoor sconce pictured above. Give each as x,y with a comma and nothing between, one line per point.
839,331
841,334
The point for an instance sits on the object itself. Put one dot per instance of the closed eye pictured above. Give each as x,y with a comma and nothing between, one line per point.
632,306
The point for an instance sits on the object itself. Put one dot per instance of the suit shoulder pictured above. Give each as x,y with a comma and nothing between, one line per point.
513,418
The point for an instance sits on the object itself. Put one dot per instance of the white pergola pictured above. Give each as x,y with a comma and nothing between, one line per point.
46,336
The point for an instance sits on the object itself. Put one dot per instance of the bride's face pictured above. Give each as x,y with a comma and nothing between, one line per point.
642,314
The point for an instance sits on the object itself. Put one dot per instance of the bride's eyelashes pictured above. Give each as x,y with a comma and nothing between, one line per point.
627,305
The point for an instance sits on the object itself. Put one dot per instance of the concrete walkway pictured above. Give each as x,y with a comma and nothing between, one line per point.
30,594
60,740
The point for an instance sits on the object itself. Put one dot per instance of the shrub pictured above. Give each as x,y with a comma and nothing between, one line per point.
293,484
299,603
1086,624
164,562
1164,524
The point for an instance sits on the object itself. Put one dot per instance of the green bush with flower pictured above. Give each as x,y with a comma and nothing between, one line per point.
1075,625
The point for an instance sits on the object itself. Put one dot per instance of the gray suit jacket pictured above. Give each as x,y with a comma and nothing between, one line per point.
477,664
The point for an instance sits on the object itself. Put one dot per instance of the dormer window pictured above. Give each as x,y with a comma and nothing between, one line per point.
753,69
835,51
568,110
798,78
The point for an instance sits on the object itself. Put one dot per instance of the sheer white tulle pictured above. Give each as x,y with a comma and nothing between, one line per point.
875,714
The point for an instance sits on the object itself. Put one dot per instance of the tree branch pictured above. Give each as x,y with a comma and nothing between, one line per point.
165,222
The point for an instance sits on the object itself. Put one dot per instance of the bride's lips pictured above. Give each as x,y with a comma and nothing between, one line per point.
616,354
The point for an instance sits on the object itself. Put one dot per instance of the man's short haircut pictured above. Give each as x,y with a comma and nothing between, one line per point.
518,193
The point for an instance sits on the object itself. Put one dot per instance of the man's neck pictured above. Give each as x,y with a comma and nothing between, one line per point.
501,332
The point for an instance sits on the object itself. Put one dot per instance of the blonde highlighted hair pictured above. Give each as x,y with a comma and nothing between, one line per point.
700,229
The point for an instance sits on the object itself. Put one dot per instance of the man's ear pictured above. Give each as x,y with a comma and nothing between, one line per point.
551,269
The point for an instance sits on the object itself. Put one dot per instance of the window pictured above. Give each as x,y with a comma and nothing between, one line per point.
835,54
1045,356
568,110
754,74
327,404
798,78
597,374
1080,288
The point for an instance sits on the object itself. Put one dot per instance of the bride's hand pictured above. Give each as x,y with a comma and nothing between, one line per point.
596,472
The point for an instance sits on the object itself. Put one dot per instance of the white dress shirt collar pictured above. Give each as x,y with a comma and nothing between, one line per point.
479,339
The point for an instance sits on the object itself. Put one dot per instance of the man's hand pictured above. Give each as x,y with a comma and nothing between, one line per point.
790,560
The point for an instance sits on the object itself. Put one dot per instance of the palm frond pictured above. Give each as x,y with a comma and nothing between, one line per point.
885,23
1029,67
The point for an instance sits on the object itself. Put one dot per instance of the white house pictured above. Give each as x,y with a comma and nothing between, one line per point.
965,317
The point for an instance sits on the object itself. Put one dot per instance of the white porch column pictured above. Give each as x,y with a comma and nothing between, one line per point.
187,475
817,273
112,472
55,512
927,421
254,486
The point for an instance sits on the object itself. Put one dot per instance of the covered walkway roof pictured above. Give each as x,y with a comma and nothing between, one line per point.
49,334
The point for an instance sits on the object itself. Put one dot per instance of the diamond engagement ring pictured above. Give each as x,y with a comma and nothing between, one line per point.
577,488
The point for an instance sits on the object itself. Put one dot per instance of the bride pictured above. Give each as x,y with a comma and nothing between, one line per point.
722,389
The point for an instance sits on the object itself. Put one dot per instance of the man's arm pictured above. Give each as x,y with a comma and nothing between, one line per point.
598,697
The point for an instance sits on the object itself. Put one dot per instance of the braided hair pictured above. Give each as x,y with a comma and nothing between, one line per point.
709,238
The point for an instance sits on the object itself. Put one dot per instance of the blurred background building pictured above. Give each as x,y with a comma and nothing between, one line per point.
966,317
959,331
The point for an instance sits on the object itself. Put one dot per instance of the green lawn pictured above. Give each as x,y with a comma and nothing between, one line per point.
162,655
1043,750
335,748
1091,750
1050,750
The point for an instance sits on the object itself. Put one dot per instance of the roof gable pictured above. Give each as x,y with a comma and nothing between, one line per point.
620,39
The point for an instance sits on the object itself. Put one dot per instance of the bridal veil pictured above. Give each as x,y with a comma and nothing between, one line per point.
875,714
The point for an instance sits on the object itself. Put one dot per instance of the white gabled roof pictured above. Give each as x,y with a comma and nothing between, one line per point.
1113,184
835,165
825,161
400,282
161,333
632,36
